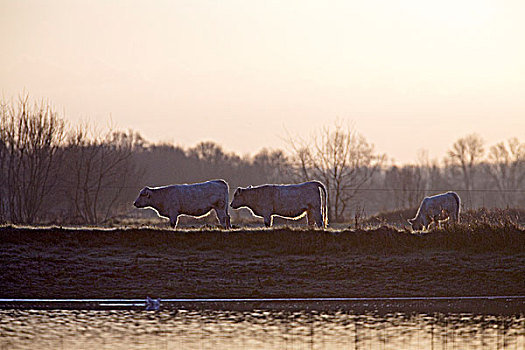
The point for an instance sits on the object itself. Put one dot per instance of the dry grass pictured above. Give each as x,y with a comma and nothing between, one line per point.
492,216
480,231
467,259
483,236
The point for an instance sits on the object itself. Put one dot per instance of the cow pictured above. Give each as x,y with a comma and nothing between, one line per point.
290,200
196,199
435,209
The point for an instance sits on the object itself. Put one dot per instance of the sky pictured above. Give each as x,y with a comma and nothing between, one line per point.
409,75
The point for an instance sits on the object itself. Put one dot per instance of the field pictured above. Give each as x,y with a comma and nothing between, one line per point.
467,260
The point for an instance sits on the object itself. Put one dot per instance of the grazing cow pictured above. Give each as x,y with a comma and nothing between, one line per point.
189,199
435,209
285,200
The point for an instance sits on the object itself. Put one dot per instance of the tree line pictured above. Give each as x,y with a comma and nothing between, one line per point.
52,173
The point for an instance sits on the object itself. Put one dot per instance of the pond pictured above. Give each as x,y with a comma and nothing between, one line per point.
256,329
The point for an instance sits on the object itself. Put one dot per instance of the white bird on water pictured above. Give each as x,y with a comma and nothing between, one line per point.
152,304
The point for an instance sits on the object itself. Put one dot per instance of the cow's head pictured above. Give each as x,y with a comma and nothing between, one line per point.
144,198
416,224
238,198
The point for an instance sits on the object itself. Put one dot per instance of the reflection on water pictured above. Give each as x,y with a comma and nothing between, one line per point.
181,329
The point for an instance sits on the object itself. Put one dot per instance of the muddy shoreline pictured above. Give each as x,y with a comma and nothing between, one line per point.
508,306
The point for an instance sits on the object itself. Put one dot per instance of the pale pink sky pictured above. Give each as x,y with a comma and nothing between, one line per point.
409,75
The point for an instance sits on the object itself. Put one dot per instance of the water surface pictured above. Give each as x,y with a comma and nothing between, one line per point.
257,329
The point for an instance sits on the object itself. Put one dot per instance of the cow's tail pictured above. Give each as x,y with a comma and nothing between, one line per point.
458,204
324,203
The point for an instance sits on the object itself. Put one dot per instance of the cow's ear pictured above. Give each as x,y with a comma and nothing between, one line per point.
238,190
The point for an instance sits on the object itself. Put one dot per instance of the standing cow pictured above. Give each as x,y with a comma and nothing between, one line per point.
189,199
435,209
285,200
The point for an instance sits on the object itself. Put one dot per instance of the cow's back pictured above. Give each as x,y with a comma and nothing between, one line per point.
297,197
202,188
278,199
197,197
435,204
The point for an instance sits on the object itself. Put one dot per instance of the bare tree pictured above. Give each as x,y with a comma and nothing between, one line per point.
507,169
208,151
31,136
270,166
342,159
3,170
210,161
466,153
100,167
407,183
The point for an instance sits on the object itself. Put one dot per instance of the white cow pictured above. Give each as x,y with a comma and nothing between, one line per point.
435,209
285,200
189,199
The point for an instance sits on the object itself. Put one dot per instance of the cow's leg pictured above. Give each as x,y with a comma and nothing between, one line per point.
228,222
445,223
314,218
224,218
310,217
428,222
436,222
452,217
444,218
319,218
174,219
267,220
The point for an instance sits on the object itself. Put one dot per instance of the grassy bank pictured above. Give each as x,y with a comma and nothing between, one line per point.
475,238
58,262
